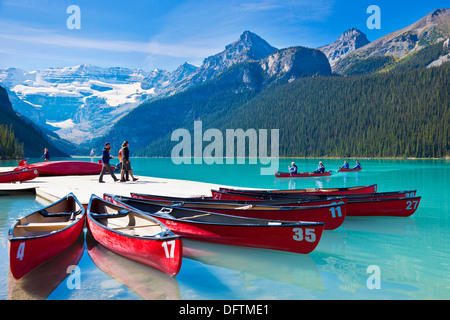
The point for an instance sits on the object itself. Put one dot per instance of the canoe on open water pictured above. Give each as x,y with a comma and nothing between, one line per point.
62,168
291,236
134,235
18,176
349,169
302,174
332,213
41,235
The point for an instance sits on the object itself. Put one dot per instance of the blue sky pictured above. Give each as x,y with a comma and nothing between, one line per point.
164,34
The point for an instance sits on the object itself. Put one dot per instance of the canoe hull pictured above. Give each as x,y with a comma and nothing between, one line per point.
395,204
18,176
302,174
331,212
27,253
164,254
64,168
328,191
349,170
292,237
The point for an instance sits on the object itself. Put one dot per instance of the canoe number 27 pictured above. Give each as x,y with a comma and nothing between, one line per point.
169,248
309,235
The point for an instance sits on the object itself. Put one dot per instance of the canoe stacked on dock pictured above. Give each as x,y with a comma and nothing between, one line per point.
18,175
62,168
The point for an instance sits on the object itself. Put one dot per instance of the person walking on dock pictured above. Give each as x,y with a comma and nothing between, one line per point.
126,166
106,166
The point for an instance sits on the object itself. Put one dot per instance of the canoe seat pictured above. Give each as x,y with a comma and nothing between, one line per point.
118,214
48,226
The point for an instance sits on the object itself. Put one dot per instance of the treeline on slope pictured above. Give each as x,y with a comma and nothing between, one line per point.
393,114
27,135
402,114
10,148
416,60
149,127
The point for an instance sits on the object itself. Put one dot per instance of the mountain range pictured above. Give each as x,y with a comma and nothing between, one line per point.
87,104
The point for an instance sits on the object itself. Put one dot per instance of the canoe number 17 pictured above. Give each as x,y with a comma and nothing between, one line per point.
309,235
169,248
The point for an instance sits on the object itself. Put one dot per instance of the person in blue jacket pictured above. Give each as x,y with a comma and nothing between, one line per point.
358,165
345,165
320,168
106,166
46,155
293,168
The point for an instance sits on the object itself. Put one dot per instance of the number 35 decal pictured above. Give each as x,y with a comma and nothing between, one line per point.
309,235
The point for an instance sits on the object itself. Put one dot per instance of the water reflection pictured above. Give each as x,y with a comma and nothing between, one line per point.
147,282
283,267
40,283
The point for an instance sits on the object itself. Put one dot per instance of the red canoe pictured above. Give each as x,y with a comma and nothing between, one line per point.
18,176
301,174
349,190
43,234
297,237
394,204
266,196
134,235
348,170
63,168
332,214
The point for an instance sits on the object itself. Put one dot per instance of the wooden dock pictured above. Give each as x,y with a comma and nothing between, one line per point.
53,188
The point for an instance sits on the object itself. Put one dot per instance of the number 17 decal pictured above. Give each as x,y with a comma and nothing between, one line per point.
169,248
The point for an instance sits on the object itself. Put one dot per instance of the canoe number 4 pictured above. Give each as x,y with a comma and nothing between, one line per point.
308,235
21,251
169,248
411,205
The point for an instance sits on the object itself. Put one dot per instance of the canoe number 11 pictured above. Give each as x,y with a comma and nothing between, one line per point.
169,248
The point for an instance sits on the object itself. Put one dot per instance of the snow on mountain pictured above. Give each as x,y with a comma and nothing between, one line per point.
80,102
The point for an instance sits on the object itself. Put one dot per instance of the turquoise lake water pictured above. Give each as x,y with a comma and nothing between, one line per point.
411,255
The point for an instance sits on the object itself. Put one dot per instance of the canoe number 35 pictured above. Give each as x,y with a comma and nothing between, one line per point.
308,235
169,248
21,251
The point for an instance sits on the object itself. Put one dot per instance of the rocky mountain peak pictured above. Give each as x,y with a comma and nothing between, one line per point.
347,42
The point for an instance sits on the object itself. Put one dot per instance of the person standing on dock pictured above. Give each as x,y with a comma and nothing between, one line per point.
106,166
126,166
46,155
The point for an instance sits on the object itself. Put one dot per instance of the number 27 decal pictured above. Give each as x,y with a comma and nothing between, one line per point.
411,204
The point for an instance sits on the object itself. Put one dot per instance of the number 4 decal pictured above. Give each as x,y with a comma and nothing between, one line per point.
169,251
21,251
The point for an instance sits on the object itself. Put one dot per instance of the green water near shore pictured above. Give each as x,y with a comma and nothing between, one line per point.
412,254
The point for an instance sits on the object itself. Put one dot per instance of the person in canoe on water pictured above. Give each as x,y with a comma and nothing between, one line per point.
293,168
345,165
126,166
320,168
105,161
358,165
